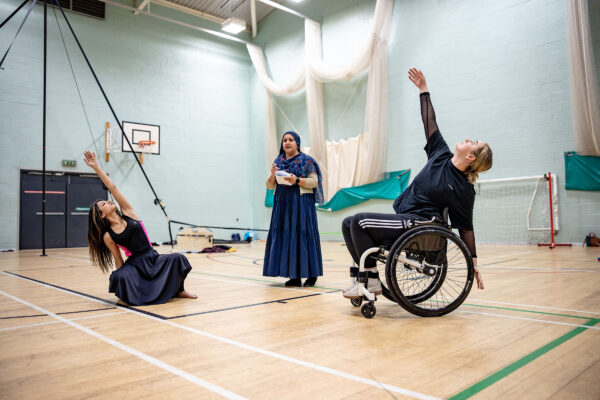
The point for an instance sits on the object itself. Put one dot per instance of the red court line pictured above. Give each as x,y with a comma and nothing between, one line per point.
47,191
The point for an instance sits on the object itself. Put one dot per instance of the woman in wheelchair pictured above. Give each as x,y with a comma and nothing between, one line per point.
446,181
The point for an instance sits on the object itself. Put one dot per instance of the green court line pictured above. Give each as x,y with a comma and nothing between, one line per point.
527,311
464,304
259,280
504,372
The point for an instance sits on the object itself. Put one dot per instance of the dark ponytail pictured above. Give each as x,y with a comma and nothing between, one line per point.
97,226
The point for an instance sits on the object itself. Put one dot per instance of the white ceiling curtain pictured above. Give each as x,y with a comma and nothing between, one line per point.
585,101
367,151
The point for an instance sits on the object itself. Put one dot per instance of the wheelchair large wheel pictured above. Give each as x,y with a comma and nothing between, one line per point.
429,271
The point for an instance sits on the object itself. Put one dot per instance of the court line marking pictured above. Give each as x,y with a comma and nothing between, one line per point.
382,299
533,306
58,322
145,357
60,313
280,301
258,284
514,366
529,319
85,295
268,353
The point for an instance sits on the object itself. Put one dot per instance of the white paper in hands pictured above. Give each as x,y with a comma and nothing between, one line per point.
280,177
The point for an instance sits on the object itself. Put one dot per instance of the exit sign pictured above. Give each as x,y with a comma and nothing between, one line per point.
69,163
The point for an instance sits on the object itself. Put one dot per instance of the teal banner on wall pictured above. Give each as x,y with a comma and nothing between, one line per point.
582,172
387,189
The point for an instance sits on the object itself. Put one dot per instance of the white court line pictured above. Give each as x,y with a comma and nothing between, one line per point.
532,306
492,266
176,371
383,299
58,322
307,364
529,319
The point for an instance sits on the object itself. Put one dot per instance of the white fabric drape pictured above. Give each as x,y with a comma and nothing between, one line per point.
271,145
359,160
585,101
258,60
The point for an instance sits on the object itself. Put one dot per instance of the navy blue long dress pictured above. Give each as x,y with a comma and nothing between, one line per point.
293,246
146,277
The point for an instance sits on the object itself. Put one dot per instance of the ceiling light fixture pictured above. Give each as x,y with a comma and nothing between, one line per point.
233,25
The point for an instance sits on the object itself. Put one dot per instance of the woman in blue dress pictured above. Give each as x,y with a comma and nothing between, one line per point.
293,246
146,277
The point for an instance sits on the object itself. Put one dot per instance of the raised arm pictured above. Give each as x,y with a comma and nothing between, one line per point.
92,162
468,236
427,113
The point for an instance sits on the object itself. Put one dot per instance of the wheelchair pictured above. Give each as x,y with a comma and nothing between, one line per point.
428,271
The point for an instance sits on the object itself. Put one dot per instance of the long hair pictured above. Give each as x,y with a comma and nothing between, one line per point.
97,226
483,161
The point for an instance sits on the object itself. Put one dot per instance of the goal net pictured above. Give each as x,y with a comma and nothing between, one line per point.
515,210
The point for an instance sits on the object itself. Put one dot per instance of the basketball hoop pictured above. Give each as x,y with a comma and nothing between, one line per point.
141,145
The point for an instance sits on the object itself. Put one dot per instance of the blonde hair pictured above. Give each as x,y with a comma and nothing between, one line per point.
483,162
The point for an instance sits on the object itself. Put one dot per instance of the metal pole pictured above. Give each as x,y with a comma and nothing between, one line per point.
44,135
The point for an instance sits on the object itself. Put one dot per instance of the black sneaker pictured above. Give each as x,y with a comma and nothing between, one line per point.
310,282
293,283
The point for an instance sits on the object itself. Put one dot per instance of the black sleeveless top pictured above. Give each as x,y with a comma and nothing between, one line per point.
133,238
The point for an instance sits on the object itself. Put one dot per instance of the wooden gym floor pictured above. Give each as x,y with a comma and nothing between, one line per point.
533,333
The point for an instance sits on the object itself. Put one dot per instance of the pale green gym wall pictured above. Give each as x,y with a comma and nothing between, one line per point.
498,71
194,86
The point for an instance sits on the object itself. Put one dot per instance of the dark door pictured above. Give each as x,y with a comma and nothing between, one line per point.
82,191
30,232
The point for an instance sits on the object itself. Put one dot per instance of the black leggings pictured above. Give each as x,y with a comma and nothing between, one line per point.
365,230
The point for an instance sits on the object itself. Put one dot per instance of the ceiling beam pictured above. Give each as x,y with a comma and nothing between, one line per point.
253,17
140,7
198,28
283,8
174,6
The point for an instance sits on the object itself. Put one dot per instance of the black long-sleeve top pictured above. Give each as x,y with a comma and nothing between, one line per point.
439,184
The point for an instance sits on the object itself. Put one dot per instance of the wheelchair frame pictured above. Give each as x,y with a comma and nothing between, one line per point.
442,229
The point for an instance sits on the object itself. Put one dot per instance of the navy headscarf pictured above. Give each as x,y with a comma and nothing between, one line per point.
301,165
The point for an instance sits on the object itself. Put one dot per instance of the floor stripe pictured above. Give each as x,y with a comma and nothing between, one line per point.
59,322
527,311
241,277
176,371
529,319
246,278
296,361
280,301
534,306
60,313
89,296
490,380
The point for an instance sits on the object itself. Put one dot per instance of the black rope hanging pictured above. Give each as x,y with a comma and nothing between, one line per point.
157,201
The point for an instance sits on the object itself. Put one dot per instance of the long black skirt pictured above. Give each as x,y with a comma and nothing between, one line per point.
150,278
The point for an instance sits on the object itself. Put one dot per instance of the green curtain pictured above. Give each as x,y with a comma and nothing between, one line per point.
582,172
389,188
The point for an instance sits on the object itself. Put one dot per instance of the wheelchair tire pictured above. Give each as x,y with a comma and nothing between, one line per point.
430,295
424,294
368,310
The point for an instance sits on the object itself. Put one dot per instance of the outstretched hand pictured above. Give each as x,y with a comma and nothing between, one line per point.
479,279
418,78
90,159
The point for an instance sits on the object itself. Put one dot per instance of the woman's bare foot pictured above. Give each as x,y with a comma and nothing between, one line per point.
187,295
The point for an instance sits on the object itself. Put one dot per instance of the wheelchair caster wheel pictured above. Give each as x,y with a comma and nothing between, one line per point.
368,310
356,302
